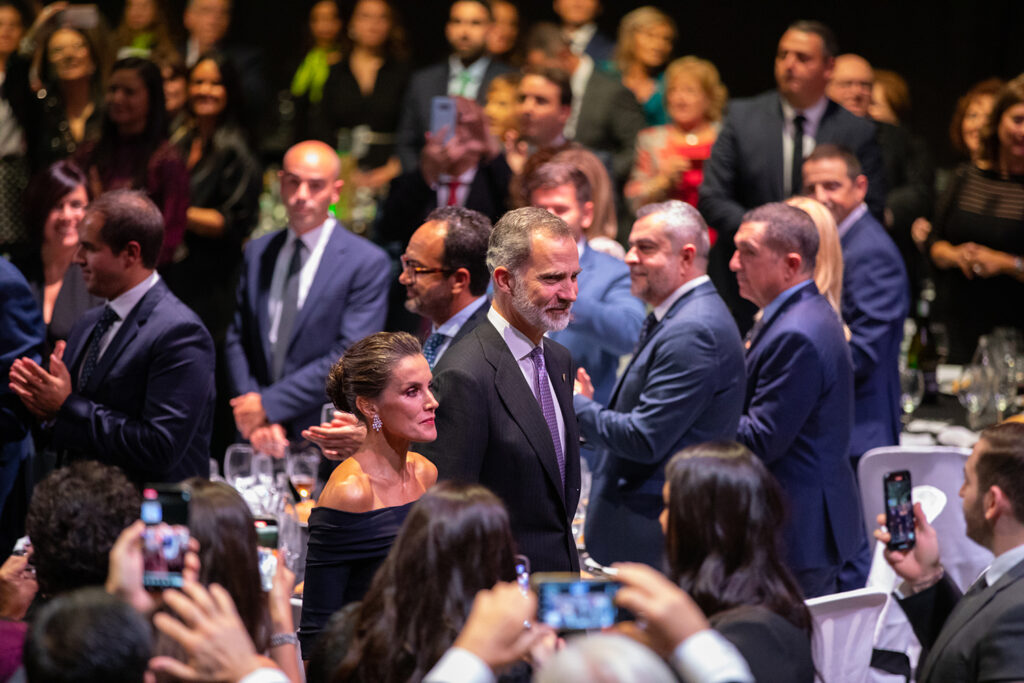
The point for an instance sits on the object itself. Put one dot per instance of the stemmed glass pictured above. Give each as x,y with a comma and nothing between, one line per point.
289,537
301,467
238,466
911,391
975,392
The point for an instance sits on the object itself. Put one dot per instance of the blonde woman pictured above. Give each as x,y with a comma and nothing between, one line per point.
828,268
646,38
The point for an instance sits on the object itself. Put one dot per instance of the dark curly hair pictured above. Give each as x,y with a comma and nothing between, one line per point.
76,514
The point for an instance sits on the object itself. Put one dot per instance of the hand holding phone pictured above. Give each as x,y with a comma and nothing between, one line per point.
899,510
568,603
443,115
165,510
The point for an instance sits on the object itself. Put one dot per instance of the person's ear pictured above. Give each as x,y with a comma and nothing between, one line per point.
460,280
995,503
131,254
367,407
503,280
794,262
587,215
861,183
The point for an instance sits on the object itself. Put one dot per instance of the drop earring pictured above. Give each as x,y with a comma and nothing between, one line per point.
376,424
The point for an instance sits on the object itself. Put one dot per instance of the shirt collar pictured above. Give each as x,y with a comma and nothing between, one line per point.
312,238
466,178
782,298
1003,564
813,113
663,308
518,343
578,80
476,69
581,37
854,216
455,323
124,303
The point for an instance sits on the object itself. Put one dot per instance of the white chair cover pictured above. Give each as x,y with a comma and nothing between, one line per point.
844,628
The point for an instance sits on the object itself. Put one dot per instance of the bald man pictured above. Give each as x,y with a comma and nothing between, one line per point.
306,293
851,83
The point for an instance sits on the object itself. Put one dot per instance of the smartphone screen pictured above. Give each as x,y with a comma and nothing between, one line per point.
81,16
266,550
899,510
165,540
577,605
442,115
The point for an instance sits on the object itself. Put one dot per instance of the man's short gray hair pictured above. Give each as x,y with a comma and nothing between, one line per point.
682,223
605,657
787,229
510,242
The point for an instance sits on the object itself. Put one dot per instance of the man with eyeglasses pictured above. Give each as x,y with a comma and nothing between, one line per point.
305,295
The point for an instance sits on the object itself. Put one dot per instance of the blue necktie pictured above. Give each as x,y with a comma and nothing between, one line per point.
92,356
650,322
547,405
289,310
430,347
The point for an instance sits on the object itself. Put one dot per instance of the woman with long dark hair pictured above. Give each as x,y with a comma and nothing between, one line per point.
455,542
220,520
723,511
224,185
384,380
133,151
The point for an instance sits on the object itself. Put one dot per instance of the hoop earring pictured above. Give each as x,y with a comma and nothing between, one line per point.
376,424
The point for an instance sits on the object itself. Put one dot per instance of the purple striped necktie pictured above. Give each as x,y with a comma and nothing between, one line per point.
547,405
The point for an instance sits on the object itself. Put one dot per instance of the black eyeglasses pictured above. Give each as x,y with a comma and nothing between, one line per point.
412,268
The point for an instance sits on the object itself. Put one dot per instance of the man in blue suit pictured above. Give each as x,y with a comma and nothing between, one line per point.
134,385
798,410
757,156
683,386
876,295
304,296
606,317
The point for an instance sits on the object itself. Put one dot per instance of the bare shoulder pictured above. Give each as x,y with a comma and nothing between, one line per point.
348,489
424,470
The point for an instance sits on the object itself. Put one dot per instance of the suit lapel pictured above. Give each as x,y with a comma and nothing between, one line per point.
520,402
265,279
563,383
125,334
775,151
327,270
79,338
967,609
807,291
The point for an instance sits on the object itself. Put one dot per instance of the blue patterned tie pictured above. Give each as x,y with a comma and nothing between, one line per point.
547,405
430,347
645,331
92,356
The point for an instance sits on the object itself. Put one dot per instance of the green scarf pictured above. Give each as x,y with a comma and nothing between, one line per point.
311,75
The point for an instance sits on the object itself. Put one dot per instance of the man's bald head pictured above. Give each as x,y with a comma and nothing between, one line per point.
851,82
309,184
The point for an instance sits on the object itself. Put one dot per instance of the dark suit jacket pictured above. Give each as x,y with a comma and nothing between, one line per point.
424,85
600,47
346,302
974,638
797,419
745,171
410,199
148,407
683,387
478,316
774,648
876,300
22,335
606,320
490,429
609,120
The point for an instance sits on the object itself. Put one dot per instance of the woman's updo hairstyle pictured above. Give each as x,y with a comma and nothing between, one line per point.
366,367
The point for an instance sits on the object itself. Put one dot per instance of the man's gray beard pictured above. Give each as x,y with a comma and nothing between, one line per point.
536,316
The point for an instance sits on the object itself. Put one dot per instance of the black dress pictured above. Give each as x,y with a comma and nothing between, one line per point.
982,207
344,106
345,549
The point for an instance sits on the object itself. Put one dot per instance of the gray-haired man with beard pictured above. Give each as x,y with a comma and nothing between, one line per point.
506,417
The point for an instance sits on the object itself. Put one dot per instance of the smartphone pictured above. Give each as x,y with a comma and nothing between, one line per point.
266,549
81,16
568,603
523,573
442,115
165,510
899,510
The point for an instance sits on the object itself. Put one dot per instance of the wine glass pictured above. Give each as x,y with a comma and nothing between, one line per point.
327,412
238,466
911,391
302,467
975,392
289,537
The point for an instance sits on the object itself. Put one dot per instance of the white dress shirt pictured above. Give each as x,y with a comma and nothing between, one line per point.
444,187
580,38
123,305
812,116
521,346
315,242
451,327
661,309
854,216
578,85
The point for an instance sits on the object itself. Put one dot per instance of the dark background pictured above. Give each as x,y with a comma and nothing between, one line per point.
941,48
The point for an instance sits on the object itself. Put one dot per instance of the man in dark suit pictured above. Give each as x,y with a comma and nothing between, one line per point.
579,25
456,173
799,402
876,298
444,272
683,386
975,637
304,296
605,116
757,156
606,317
505,418
134,386
467,73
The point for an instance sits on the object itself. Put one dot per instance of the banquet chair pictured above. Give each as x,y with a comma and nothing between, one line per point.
844,629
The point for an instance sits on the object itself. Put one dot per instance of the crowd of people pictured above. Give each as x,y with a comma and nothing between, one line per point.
551,253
